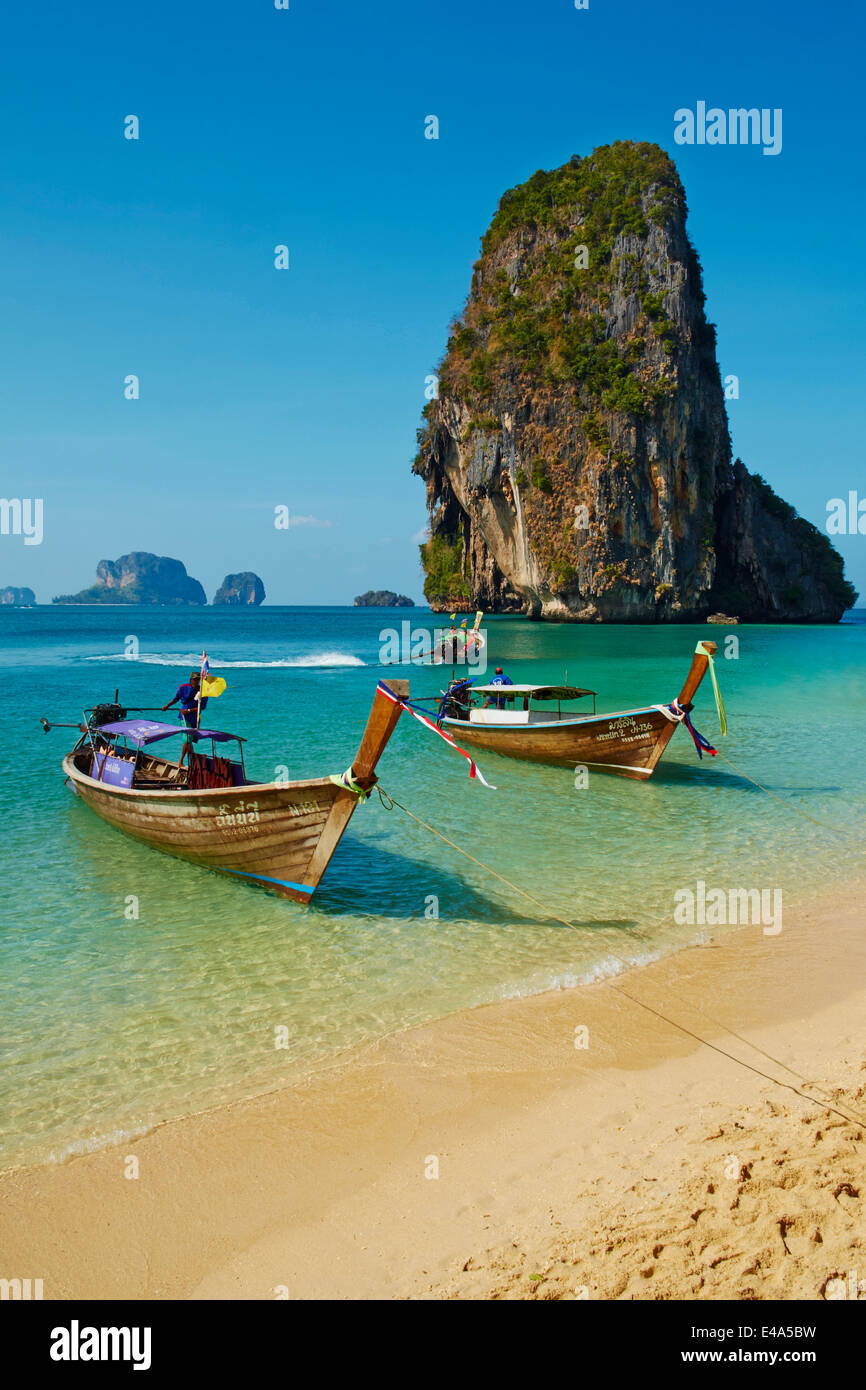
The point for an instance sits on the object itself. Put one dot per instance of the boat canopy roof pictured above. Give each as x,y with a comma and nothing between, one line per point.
537,692
144,731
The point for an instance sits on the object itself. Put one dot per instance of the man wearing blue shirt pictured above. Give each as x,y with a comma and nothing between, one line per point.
189,698
499,679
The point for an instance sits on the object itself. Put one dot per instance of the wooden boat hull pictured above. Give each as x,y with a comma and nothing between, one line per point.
629,743
279,835
268,832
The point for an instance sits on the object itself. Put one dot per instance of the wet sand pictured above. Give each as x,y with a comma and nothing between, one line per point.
488,1156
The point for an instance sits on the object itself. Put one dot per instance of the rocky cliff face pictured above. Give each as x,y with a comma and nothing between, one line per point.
245,588
577,460
140,578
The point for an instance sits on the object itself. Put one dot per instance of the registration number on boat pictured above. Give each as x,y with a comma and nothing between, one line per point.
246,813
627,730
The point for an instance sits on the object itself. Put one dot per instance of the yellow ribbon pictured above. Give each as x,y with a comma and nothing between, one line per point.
701,650
345,779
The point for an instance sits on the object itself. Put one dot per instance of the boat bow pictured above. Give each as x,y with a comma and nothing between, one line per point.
280,835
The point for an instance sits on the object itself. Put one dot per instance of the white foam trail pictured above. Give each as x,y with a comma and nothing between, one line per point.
604,969
91,1146
192,660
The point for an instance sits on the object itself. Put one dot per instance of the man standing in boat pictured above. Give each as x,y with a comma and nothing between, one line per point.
499,679
190,698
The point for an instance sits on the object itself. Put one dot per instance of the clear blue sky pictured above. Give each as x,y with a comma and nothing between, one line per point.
306,127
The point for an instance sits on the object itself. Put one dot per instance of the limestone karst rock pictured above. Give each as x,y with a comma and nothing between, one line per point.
244,588
140,578
383,598
577,458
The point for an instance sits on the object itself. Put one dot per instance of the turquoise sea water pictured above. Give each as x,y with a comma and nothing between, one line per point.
110,1024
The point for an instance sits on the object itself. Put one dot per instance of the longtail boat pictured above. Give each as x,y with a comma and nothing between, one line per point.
280,835
518,720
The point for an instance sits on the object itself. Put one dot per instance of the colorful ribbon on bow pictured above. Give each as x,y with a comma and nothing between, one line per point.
474,770
700,650
702,744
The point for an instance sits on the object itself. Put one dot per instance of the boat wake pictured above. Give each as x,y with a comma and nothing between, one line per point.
192,659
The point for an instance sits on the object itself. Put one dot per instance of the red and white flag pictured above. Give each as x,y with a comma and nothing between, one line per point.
474,769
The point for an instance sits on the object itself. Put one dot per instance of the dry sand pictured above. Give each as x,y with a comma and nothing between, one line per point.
485,1156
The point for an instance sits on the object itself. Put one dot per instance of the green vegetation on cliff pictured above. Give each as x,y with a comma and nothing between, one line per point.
443,567
608,187
548,320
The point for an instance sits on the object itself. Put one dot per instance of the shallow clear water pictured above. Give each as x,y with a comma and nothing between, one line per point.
110,1024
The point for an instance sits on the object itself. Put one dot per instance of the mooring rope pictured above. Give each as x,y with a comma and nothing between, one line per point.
389,802
789,805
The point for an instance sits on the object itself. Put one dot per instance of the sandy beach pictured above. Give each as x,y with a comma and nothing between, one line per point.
492,1155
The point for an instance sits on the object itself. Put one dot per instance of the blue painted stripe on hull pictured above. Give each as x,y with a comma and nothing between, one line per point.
263,878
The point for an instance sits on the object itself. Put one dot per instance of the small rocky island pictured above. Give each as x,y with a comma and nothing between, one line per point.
383,598
10,597
140,578
245,588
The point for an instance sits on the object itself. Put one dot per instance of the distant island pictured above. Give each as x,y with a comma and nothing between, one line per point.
383,598
140,578
244,588
11,597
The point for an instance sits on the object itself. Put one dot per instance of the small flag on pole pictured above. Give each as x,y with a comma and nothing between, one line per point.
211,686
